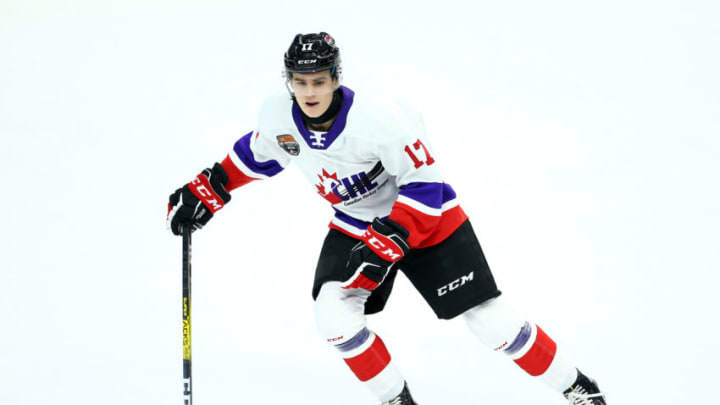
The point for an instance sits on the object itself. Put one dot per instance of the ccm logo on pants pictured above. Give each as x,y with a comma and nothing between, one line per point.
455,284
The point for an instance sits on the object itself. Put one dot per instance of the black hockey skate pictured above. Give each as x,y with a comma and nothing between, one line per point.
584,391
404,398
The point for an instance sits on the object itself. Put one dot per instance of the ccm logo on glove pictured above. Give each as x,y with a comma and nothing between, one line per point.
196,202
384,243
383,246
201,188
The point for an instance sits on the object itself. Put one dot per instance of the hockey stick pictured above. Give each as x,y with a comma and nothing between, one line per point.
187,358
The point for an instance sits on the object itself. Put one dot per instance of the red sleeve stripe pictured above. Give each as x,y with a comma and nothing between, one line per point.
428,230
236,177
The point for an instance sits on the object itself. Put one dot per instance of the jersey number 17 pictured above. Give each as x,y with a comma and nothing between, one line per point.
417,145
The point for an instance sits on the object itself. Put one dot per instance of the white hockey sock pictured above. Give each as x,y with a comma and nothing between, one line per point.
561,374
536,353
366,355
502,329
341,321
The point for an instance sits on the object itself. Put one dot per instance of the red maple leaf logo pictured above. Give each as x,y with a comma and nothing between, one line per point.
325,187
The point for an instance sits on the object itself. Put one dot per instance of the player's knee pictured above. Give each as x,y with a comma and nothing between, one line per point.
339,313
494,323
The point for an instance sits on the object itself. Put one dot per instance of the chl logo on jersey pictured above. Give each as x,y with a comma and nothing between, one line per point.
356,185
289,144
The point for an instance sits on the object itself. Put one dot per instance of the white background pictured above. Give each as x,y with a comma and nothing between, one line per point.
582,138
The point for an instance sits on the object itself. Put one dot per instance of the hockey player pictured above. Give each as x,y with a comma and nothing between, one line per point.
370,159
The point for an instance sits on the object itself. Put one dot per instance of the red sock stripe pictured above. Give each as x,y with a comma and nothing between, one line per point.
541,354
371,362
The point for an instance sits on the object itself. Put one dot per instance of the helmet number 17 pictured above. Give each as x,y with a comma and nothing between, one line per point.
417,145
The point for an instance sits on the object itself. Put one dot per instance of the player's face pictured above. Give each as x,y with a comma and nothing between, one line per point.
313,92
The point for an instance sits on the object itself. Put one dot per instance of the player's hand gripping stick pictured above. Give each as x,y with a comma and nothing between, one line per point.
196,202
382,245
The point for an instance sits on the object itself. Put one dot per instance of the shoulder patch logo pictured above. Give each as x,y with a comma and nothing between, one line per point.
289,144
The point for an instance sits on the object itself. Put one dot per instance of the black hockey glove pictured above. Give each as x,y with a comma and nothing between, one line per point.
382,245
196,202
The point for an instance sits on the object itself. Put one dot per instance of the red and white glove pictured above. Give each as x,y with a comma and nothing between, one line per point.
382,245
196,202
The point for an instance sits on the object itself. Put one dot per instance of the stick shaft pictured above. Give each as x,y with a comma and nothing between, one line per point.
187,352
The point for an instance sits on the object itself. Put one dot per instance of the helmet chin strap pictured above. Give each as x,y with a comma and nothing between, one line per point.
329,114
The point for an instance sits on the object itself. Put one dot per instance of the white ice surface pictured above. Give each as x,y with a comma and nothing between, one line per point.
583,139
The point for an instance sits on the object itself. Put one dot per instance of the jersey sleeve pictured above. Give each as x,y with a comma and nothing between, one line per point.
256,155
250,159
426,205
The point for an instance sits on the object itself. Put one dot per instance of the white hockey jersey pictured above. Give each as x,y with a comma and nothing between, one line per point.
374,161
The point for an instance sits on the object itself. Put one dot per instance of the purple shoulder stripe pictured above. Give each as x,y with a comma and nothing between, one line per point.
448,193
242,149
433,195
